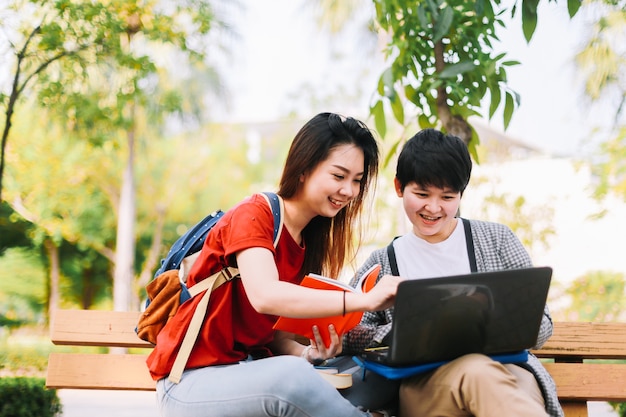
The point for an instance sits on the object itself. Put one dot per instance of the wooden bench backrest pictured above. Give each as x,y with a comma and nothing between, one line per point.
92,370
571,343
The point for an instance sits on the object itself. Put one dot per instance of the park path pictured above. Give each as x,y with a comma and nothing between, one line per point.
95,403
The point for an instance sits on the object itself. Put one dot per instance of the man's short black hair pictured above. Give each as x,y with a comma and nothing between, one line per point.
432,158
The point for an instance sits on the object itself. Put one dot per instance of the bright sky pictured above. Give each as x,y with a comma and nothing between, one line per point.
282,51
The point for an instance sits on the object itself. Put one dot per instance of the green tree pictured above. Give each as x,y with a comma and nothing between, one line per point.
65,47
49,185
597,296
443,62
602,63
14,229
181,177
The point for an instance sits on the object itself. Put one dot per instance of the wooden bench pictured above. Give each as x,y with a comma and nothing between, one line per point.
570,356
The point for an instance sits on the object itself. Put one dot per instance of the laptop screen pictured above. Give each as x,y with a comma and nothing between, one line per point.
439,319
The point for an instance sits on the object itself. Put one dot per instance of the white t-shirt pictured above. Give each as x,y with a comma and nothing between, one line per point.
418,258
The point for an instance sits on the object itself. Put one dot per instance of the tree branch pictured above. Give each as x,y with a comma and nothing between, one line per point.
453,124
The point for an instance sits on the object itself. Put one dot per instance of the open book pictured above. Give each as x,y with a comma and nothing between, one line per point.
304,326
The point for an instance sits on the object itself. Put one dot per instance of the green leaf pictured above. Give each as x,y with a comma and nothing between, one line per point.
509,106
397,107
424,121
392,152
411,94
385,83
387,78
517,97
490,68
421,16
379,10
442,25
529,18
480,7
381,85
573,6
499,56
495,99
487,9
453,70
433,9
472,146
379,118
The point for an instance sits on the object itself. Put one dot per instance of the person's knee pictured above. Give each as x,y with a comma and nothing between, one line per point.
474,367
290,374
472,359
480,370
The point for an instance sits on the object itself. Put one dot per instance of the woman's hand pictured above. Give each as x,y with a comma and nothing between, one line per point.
317,352
383,294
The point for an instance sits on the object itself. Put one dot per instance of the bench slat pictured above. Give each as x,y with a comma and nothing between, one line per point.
99,371
589,381
96,328
599,382
588,340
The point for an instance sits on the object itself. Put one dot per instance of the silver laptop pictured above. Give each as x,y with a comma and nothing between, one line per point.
439,319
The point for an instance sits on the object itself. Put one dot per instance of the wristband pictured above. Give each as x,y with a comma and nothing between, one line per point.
305,353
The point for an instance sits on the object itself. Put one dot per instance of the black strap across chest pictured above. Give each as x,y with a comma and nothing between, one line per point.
469,243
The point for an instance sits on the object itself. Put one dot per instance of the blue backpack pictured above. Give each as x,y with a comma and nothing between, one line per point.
168,290
191,242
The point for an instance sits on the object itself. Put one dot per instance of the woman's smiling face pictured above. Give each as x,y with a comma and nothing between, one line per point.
335,181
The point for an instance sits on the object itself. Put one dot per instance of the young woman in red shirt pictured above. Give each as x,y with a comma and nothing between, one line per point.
239,365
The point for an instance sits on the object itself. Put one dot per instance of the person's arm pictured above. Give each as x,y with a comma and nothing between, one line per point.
370,332
545,329
374,326
512,252
285,343
268,295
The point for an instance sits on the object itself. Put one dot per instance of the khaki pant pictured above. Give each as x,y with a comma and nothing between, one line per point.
472,385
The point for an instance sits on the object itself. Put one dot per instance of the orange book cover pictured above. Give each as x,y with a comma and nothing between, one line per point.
304,326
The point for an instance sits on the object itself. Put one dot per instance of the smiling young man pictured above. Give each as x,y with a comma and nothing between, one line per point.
432,172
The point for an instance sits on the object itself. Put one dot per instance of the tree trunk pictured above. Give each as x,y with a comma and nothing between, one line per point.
125,247
452,124
54,277
152,259
89,291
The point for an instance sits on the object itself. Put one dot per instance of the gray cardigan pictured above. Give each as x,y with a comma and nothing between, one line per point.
495,247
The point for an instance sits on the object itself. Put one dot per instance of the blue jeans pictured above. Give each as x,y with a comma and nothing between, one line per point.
281,386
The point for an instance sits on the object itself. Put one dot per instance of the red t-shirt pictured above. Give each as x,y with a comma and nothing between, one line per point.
232,328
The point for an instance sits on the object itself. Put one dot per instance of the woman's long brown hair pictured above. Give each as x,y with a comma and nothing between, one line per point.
329,241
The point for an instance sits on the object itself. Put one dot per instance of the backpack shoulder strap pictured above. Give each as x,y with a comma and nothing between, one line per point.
391,253
469,242
277,206
209,284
